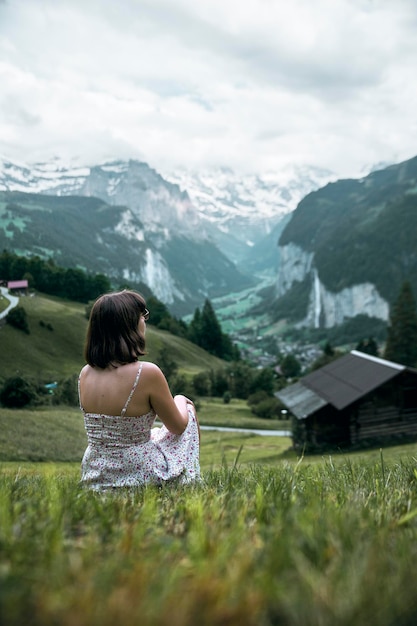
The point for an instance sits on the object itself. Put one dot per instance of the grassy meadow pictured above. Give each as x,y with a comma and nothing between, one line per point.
56,434
4,303
266,539
297,543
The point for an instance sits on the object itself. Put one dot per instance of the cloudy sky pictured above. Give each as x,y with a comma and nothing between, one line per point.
249,84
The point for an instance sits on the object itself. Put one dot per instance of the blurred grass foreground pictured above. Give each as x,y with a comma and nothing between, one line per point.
323,543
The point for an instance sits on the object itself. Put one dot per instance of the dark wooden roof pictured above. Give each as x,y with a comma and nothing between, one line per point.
339,383
301,401
347,379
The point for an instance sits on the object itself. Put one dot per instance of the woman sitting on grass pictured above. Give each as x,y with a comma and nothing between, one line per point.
120,399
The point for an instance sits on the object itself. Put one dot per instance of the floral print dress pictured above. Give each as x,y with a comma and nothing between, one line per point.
126,451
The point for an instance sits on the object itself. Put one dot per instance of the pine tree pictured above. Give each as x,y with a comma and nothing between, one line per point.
401,344
194,329
211,337
368,346
167,364
290,366
205,330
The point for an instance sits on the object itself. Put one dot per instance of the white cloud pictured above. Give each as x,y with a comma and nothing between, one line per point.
251,85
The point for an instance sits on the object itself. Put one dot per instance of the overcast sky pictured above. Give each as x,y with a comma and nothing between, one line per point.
249,84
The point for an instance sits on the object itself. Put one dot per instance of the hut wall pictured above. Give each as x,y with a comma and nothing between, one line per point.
377,422
327,427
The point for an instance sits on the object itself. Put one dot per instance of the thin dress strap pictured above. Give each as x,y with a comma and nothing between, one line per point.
132,390
79,392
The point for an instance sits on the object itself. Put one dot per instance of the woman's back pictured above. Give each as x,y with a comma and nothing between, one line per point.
107,391
120,399
124,450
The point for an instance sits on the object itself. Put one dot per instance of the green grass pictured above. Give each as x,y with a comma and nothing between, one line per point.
56,434
4,303
44,354
266,539
45,434
49,355
237,414
219,448
297,544
191,359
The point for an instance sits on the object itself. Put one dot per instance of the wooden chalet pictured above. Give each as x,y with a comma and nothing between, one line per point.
355,400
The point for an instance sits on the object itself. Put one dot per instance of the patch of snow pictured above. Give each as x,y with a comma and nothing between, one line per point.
128,228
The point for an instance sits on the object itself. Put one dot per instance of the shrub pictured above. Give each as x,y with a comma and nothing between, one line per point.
201,384
269,408
257,397
48,325
17,317
219,383
17,393
167,364
179,384
227,396
67,391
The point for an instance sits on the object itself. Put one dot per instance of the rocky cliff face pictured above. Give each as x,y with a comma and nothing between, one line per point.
348,247
326,308
159,204
295,265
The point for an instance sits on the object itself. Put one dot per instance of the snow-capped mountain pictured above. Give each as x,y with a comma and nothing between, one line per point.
159,204
235,221
53,176
234,211
122,219
243,210
224,195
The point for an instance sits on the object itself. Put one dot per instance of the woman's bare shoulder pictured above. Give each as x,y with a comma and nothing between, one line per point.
151,369
153,376
84,370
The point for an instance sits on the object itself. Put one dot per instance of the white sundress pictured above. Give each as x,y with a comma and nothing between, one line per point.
126,451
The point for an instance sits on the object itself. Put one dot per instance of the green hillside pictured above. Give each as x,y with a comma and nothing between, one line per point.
61,228
54,347
93,232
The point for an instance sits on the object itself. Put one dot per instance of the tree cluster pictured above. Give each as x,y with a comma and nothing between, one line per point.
46,276
75,284
239,379
206,332
18,391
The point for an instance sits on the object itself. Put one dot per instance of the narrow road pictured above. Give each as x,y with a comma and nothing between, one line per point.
13,300
269,433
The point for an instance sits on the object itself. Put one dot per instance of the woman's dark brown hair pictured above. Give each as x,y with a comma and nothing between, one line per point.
113,335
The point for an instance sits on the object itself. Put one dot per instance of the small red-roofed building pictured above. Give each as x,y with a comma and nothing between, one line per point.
21,285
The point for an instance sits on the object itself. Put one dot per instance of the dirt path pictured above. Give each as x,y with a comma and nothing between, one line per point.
13,301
